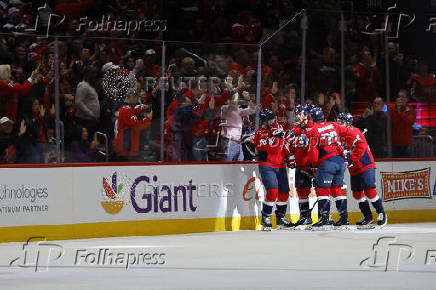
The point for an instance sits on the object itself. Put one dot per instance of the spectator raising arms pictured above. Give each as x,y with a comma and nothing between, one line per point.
367,76
374,120
229,146
10,91
9,140
128,128
37,120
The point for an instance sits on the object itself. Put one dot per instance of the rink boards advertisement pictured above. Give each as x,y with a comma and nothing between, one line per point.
403,185
95,201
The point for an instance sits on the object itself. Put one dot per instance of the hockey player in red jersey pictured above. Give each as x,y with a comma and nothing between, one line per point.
362,170
128,127
270,142
302,161
330,168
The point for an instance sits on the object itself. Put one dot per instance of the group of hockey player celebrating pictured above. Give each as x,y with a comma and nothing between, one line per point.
320,152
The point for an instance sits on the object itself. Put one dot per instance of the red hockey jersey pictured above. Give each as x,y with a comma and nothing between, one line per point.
128,129
305,157
326,137
361,156
272,151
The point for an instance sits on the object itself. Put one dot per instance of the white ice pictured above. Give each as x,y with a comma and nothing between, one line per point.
405,258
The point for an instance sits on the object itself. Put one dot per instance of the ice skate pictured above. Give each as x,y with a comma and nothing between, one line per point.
323,224
304,223
342,223
365,223
283,223
266,223
382,219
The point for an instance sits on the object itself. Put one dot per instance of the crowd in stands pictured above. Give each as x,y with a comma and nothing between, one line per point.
203,120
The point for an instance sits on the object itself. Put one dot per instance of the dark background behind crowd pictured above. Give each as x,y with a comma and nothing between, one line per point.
208,39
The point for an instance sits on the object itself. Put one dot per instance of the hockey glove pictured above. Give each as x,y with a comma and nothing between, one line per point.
195,106
289,136
291,162
277,130
303,141
347,155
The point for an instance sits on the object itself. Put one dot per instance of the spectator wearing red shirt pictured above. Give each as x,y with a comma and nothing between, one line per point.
128,128
74,9
402,119
10,91
422,84
200,127
280,105
241,59
115,49
151,69
367,76
331,108
247,28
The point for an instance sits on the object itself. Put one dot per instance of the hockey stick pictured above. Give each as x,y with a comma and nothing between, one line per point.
307,173
313,206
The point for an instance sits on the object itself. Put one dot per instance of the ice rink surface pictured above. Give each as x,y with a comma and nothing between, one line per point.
399,256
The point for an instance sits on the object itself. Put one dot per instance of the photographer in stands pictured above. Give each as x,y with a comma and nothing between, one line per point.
375,121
